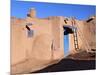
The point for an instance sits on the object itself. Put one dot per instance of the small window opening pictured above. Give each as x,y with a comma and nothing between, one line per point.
30,33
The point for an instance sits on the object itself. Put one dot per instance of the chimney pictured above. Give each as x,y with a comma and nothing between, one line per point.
32,13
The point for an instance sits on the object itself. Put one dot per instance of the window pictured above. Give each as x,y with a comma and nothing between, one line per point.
29,30
30,33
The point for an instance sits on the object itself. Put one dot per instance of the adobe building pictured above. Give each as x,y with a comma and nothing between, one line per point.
39,42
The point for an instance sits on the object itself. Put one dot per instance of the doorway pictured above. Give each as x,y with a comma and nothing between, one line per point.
67,30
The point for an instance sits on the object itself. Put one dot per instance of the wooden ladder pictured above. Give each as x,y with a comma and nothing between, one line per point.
75,36
75,39
86,45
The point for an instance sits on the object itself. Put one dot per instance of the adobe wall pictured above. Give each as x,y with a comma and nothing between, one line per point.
86,33
44,48
46,45
30,50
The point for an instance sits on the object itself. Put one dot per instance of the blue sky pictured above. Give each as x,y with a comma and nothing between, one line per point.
20,8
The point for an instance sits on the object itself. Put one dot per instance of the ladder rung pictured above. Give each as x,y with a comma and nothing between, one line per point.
76,44
75,37
76,40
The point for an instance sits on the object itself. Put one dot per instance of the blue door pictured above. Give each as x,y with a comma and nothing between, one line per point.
66,45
